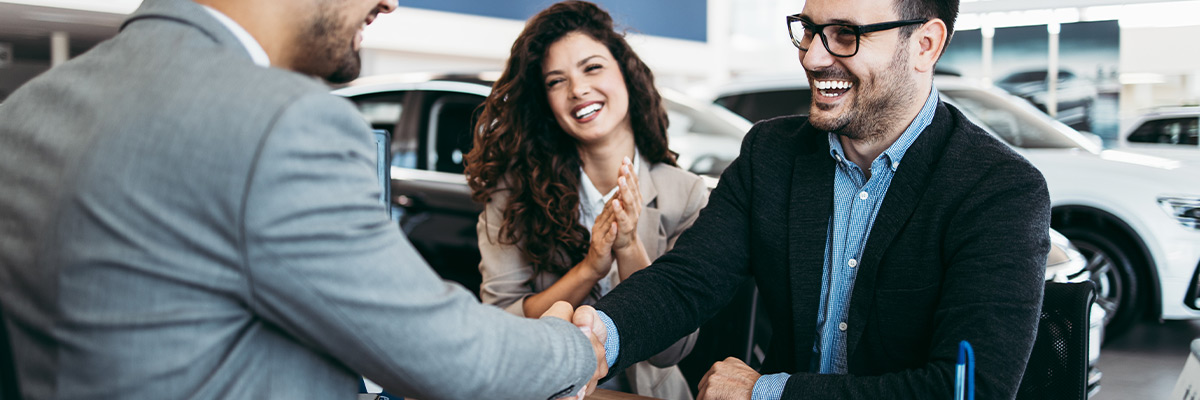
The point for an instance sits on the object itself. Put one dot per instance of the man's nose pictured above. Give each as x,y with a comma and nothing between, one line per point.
387,6
817,55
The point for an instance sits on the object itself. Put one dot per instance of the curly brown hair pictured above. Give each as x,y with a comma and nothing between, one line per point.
520,147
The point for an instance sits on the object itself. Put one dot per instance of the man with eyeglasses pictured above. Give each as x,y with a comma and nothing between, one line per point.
881,230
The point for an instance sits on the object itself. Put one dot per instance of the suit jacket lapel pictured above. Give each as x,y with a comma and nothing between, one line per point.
908,185
650,228
811,203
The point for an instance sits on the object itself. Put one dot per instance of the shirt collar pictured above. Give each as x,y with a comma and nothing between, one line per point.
896,151
589,194
257,54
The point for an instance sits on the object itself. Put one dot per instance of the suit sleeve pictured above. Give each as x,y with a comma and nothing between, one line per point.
688,285
329,268
696,199
995,252
505,270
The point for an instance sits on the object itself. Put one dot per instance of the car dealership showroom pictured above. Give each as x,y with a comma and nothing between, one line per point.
1098,99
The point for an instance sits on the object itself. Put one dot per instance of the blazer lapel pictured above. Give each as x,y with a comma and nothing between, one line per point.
811,203
650,227
908,185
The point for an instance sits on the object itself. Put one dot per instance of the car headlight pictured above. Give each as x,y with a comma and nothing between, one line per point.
1185,209
1065,263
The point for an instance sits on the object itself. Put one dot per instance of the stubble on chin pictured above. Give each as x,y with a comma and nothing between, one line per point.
330,50
869,118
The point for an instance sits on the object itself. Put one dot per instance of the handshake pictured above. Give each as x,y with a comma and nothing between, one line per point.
728,379
589,322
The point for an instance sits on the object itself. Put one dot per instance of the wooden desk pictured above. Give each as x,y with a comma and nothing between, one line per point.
599,394
602,394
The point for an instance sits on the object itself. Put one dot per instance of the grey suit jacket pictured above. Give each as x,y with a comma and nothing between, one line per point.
673,199
179,222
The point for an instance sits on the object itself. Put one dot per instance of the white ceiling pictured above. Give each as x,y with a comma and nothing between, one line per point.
984,6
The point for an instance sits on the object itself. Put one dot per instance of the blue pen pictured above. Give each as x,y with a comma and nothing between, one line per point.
964,373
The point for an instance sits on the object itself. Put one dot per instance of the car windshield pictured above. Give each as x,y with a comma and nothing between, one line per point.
687,120
1028,76
1019,127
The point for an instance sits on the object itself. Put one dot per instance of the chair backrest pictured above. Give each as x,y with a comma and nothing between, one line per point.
1058,367
8,371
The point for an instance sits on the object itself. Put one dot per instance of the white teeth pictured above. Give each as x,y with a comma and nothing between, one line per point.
828,85
587,111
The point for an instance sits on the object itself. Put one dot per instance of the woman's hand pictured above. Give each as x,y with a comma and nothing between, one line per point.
599,258
626,206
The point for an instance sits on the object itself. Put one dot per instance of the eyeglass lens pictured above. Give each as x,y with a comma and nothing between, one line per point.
840,40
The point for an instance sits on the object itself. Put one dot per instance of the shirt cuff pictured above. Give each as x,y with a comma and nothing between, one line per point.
613,343
769,387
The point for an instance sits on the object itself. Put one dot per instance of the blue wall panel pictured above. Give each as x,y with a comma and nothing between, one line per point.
680,19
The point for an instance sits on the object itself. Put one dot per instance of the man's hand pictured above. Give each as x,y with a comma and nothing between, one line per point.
561,310
729,379
589,322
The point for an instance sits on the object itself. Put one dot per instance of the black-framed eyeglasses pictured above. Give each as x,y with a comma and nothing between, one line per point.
840,39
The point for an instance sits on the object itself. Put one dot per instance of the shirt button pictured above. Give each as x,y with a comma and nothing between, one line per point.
842,327
862,195
853,263
896,164
837,157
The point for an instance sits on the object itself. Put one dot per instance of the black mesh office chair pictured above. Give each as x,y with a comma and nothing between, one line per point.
8,372
1058,367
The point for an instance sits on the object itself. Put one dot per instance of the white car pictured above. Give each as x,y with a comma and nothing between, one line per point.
1135,217
1165,129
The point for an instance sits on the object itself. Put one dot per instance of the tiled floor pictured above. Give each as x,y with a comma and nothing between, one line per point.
1144,363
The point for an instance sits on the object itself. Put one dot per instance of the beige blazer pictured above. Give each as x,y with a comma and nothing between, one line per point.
673,199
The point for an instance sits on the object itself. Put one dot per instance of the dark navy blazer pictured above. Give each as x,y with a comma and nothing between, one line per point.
958,251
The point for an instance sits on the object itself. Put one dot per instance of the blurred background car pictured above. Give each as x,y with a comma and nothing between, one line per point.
1165,128
1135,217
1076,95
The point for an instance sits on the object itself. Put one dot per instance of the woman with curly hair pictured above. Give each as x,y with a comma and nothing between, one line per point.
571,159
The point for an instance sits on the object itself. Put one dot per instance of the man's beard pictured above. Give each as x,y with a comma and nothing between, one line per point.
330,49
874,108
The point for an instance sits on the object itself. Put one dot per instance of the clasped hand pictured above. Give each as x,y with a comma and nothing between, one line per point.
615,229
593,328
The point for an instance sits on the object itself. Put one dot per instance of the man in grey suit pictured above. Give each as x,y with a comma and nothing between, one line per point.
186,211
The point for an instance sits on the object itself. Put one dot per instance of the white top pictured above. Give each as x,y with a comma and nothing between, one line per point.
591,204
256,51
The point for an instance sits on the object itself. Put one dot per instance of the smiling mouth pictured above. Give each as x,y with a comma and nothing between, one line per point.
833,88
587,112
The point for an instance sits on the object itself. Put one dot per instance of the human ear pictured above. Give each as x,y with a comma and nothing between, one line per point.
930,40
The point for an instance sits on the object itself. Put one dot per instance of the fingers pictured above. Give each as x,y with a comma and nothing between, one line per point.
605,215
635,184
630,190
560,309
589,322
623,218
586,316
728,379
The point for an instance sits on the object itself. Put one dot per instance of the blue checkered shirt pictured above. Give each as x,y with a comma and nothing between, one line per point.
856,201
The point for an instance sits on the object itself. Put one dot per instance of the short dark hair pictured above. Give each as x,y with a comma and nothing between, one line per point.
946,10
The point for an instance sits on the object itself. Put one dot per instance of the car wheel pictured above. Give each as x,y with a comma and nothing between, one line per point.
1113,273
